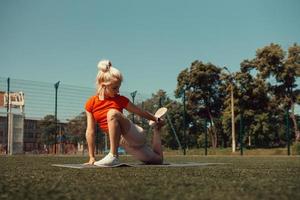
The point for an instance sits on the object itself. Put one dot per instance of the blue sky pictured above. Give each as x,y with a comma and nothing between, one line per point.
149,41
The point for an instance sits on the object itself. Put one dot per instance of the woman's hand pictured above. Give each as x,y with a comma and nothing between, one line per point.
91,161
159,123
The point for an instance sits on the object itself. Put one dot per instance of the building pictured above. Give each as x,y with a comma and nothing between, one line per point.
32,138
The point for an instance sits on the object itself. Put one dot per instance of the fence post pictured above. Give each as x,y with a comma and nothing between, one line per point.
184,125
5,140
287,131
133,95
205,132
55,116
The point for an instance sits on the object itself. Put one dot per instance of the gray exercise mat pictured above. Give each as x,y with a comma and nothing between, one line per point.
190,164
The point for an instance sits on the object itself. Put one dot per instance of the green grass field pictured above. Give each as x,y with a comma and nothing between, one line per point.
248,177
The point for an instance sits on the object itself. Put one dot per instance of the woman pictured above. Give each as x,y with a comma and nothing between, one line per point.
106,109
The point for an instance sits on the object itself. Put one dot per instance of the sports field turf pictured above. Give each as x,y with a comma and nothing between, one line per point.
33,177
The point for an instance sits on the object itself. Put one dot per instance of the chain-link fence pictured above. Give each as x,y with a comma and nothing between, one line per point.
54,122
45,108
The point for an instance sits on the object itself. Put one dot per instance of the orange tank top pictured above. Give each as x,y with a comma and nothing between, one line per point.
99,108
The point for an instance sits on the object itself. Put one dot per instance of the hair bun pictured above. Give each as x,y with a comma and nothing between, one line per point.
104,65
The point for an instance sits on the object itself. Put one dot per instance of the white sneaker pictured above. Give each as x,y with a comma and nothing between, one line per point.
108,160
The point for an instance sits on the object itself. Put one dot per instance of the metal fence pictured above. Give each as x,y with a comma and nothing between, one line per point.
40,98
63,101
67,102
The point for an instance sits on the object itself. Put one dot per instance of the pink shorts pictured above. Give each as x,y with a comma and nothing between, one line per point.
134,143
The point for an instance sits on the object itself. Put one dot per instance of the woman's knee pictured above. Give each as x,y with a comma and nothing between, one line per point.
113,114
156,160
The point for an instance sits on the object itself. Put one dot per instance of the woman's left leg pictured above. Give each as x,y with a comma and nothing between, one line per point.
134,142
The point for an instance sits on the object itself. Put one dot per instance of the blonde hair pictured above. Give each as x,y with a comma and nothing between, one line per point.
106,74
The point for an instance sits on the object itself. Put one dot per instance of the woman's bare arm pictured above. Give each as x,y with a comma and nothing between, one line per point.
134,109
90,137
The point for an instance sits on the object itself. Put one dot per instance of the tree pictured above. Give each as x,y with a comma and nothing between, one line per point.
76,128
157,100
201,83
174,122
47,127
160,99
254,102
272,65
291,72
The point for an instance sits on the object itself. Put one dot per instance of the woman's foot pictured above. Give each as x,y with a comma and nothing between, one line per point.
158,125
108,160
